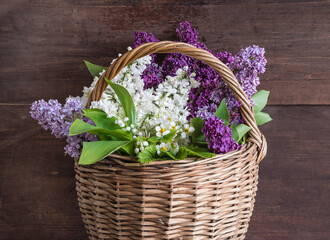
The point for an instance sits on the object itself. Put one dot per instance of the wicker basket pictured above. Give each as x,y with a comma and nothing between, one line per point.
187,199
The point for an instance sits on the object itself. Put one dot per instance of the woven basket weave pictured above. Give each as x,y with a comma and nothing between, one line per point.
187,199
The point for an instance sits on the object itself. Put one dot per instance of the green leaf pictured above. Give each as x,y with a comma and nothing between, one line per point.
198,124
243,140
197,152
260,100
204,154
201,138
121,134
96,151
149,154
94,69
262,118
101,119
129,148
154,139
167,155
125,100
222,112
181,154
239,131
201,143
79,126
197,149
105,137
168,137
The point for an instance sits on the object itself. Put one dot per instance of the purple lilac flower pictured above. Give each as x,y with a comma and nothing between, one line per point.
186,33
204,113
144,37
57,118
173,61
152,76
204,101
248,63
72,107
74,146
74,143
226,57
218,136
215,89
207,97
50,116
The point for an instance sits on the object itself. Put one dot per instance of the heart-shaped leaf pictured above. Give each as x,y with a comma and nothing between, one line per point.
260,100
262,118
239,131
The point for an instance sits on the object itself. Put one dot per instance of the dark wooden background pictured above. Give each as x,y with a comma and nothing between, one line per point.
43,43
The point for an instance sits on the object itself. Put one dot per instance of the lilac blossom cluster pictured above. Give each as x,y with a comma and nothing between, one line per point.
218,136
53,116
247,64
143,37
204,101
152,76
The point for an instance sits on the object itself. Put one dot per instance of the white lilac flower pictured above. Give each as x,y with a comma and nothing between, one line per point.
154,106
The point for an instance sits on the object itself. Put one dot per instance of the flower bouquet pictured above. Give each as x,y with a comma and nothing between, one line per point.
140,133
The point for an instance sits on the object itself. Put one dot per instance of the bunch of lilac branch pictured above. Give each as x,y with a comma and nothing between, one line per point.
53,116
247,64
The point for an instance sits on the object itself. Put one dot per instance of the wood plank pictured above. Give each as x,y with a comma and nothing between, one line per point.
38,200
43,43
40,83
37,189
292,200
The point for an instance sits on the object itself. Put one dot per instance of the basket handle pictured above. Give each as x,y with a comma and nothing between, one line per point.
200,54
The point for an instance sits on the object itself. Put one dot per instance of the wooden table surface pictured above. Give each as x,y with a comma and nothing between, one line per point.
43,43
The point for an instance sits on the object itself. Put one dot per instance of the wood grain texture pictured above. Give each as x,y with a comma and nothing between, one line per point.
37,192
43,43
293,197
